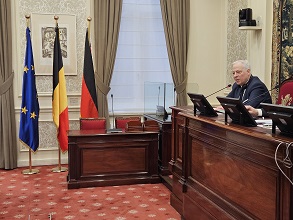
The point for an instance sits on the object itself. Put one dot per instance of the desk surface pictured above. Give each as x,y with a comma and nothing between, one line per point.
100,132
158,118
187,111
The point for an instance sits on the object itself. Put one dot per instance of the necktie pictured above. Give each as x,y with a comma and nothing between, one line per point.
242,91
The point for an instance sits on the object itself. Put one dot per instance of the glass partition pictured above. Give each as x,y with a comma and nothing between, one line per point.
158,96
133,99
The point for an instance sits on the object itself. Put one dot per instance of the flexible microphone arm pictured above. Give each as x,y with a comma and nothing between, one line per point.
112,111
249,100
229,85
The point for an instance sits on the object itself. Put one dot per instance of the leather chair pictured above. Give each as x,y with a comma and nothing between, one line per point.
120,122
92,123
286,92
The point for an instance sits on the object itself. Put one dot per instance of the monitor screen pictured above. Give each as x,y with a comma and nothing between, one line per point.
282,117
202,105
237,111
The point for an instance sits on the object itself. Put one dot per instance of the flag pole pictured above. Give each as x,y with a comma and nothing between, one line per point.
58,169
88,27
30,170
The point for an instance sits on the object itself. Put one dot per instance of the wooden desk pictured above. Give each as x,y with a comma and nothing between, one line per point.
100,159
164,147
227,171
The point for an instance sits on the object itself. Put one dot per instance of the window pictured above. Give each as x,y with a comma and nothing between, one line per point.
141,55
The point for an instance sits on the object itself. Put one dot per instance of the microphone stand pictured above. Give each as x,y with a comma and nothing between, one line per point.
112,112
174,96
165,112
159,96
113,129
219,90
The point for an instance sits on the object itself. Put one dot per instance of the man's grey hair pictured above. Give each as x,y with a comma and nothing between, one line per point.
245,63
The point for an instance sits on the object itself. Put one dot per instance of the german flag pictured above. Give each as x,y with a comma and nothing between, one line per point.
88,102
59,97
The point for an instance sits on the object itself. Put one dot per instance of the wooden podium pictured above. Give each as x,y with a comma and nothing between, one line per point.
97,158
226,171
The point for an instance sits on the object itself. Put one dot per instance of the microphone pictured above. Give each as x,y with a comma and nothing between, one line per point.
159,96
229,85
249,100
113,111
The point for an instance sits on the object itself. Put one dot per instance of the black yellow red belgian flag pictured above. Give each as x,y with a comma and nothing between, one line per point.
88,102
59,97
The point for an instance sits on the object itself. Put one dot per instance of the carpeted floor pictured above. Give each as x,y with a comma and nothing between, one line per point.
39,195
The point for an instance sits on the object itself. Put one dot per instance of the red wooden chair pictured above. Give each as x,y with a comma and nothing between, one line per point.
92,123
120,122
286,92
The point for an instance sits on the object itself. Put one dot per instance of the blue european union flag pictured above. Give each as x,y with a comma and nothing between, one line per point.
29,114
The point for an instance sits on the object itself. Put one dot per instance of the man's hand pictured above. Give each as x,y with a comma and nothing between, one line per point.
251,110
219,109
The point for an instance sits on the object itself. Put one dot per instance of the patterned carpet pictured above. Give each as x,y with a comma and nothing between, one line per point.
39,196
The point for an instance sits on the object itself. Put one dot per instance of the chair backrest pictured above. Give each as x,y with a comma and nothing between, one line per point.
92,123
134,126
151,125
120,122
286,92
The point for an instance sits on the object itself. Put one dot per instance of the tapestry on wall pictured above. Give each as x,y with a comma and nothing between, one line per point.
282,39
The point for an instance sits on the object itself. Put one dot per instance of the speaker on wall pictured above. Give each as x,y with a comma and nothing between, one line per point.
245,17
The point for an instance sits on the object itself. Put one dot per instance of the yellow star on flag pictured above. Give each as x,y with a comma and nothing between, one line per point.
25,69
24,110
33,115
32,67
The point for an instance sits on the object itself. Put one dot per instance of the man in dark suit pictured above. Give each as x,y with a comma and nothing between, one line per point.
250,89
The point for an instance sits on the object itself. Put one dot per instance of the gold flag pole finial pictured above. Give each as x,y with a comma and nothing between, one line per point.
27,20
88,26
56,19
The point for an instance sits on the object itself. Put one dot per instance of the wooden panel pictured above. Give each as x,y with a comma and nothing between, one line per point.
177,195
180,144
233,178
102,161
178,132
198,206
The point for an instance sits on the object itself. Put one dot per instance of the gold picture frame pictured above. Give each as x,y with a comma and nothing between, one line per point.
43,36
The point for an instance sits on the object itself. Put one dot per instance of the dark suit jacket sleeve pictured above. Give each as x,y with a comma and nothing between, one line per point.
257,93
254,94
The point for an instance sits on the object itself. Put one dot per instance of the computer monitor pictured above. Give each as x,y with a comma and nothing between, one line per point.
236,111
282,117
202,105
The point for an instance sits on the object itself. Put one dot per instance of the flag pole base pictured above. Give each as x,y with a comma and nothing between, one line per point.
30,171
59,169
